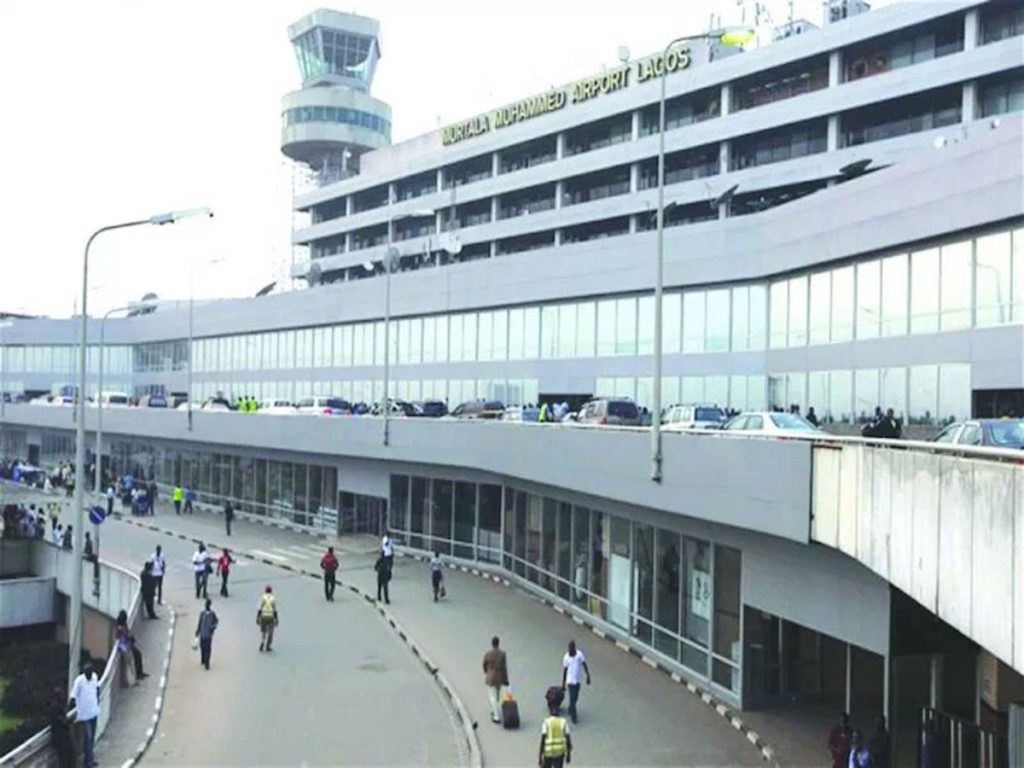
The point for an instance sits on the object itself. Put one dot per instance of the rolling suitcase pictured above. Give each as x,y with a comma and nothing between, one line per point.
509,713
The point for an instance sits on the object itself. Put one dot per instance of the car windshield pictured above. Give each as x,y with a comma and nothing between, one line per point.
117,399
336,403
708,414
1007,433
623,409
493,405
792,421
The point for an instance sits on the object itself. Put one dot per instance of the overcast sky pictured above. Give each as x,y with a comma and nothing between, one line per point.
117,109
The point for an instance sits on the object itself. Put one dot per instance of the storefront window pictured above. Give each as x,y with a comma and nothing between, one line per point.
693,321
563,548
955,265
779,309
819,304
725,669
797,329
924,394
667,593
867,393
625,327
842,304
534,524
893,383
671,323
840,396
924,296
581,555
696,616
992,280
465,519
442,495
488,532
954,392
717,333
645,325
894,295
566,330
740,319
643,589
521,506
869,309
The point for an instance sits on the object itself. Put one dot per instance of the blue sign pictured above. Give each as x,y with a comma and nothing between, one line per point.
97,515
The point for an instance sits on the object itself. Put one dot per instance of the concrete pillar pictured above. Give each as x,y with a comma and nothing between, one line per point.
886,674
833,133
559,189
392,191
969,103
558,237
972,28
494,208
440,178
724,158
636,124
835,68
559,146
849,678
726,99
634,177
348,205
495,163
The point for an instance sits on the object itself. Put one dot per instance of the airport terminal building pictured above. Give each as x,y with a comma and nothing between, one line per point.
844,230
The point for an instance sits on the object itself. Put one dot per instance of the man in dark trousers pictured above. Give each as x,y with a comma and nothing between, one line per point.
383,569
148,589
329,565
229,516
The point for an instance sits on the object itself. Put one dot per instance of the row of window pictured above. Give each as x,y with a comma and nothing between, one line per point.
344,115
676,594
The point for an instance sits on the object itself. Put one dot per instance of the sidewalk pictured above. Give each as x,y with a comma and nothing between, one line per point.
630,715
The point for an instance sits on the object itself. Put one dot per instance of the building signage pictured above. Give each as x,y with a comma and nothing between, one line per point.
588,88
700,594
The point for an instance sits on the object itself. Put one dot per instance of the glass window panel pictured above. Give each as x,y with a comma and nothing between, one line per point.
401,330
531,333
696,615
669,390
485,337
954,392
515,334
668,589
549,332
1017,269
924,297
606,328
796,391
625,386
671,323
566,330
894,391
499,335
727,617
819,308
694,313
778,300
377,329
758,316
867,396
992,279
625,327
645,325
441,339
842,304
895,285
469,337
692,389
840,396
716,390
442,495
955,289
429,347
924,394
717,324
869,310
817,394
757,392
586,328
415,340
455,328
740,319
643,582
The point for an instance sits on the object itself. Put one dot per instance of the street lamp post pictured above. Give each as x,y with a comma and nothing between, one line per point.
390,256
75,613
732,36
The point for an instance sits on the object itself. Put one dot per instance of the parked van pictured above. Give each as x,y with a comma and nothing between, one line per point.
613,411
114,400
679,418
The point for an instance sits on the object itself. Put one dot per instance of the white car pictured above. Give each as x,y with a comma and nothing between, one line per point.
681,418
772,424
277,406
323,405
114,400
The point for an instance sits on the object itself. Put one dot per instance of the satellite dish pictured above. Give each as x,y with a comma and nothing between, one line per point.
314,275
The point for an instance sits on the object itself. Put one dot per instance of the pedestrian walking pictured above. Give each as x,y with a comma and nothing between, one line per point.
87,552
159,569
57,536
495,677
110,500
437,575
573,663
267,618
201,567
85,694
387,548
190,497
205,628
148,589
839,741
60,732
178,497
66,541
859,756
555,742
229,516
329,565
383,569
224,563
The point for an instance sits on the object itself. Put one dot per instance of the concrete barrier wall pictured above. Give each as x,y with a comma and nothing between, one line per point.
15,558
944,528
26,601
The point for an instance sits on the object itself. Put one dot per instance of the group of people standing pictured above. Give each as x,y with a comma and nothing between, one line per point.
848,749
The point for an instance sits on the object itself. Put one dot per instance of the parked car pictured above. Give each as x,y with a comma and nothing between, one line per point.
398,408
992,433
479,409
323,405
276,406
679,418
114,400
772,424
215,404
612,411
153,401
432,409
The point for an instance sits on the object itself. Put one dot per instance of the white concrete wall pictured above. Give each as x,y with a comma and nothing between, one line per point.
27,601
946,529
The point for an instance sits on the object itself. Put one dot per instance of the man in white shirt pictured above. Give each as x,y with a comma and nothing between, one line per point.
158,570
201,566
387,548
573,663
85,693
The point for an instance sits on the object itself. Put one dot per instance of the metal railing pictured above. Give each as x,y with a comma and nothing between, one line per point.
948,741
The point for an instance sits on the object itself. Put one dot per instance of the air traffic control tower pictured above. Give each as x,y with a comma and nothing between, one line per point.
333,119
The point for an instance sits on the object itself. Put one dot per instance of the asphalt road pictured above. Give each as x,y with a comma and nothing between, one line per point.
339,689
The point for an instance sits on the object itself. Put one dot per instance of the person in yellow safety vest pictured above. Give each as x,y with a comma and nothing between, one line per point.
555,742
266,618
253,405
178,496
543,416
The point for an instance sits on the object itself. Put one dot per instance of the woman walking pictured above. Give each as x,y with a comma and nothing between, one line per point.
224,563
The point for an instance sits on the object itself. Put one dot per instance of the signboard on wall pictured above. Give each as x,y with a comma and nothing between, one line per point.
700,594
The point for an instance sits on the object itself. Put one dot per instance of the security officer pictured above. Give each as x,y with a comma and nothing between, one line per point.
266,617
555,743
